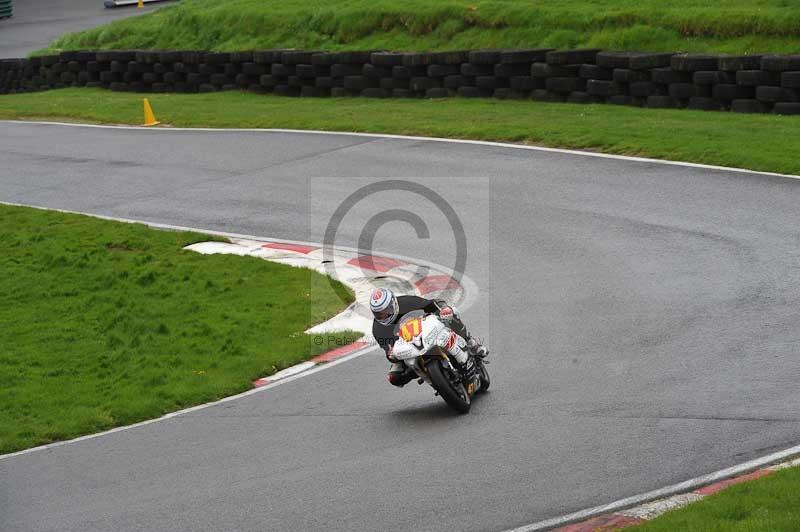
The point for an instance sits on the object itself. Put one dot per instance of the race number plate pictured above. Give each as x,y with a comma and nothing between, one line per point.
410,329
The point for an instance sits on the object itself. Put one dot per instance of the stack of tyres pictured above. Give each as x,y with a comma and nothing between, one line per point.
694,75
10,74
290,81
739,83
400,81
6,8
426,72
512,73
740,94
784,96
563,80
632,80
332,69
476,78
268,62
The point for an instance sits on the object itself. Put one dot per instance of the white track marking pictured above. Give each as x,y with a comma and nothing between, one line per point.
415,138
668,491
653,509
292,370
785,465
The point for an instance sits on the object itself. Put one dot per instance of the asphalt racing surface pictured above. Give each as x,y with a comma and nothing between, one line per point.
36,23
643,321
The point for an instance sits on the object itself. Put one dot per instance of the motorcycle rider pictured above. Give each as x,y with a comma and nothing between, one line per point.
387,309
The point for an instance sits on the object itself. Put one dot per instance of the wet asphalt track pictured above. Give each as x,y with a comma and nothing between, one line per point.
36,23
644,327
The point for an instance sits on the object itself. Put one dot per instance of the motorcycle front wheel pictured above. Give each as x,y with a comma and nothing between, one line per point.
453,393
484,375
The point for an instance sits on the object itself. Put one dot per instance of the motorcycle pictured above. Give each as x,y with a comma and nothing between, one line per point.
426,345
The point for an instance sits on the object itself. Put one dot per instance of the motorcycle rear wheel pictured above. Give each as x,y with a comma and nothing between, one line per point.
454,394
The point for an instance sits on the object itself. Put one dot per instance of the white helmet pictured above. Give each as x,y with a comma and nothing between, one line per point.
384,306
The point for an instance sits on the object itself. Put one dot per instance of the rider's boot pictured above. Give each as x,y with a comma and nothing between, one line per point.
470,370
399,375
465,361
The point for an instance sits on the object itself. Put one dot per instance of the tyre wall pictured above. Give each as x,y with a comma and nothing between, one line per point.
747,84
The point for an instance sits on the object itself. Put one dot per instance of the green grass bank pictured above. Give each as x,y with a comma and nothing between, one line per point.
107,323
769,504
740,26
757,142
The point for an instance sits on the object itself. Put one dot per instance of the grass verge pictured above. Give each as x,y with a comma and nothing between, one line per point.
741,26
108,323
757,142
770,503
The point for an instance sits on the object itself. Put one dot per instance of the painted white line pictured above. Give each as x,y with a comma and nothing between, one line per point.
416,138
291,373
291,370
662,493
785,465
653,509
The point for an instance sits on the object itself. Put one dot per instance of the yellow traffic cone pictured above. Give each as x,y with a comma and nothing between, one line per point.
149,117
140,4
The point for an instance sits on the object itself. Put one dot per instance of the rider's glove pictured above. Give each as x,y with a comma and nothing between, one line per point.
446,313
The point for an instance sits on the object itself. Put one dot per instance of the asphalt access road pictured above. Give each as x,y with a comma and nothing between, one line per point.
36,23
644,328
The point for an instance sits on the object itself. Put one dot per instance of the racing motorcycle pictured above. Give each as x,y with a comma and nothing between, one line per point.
426,345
